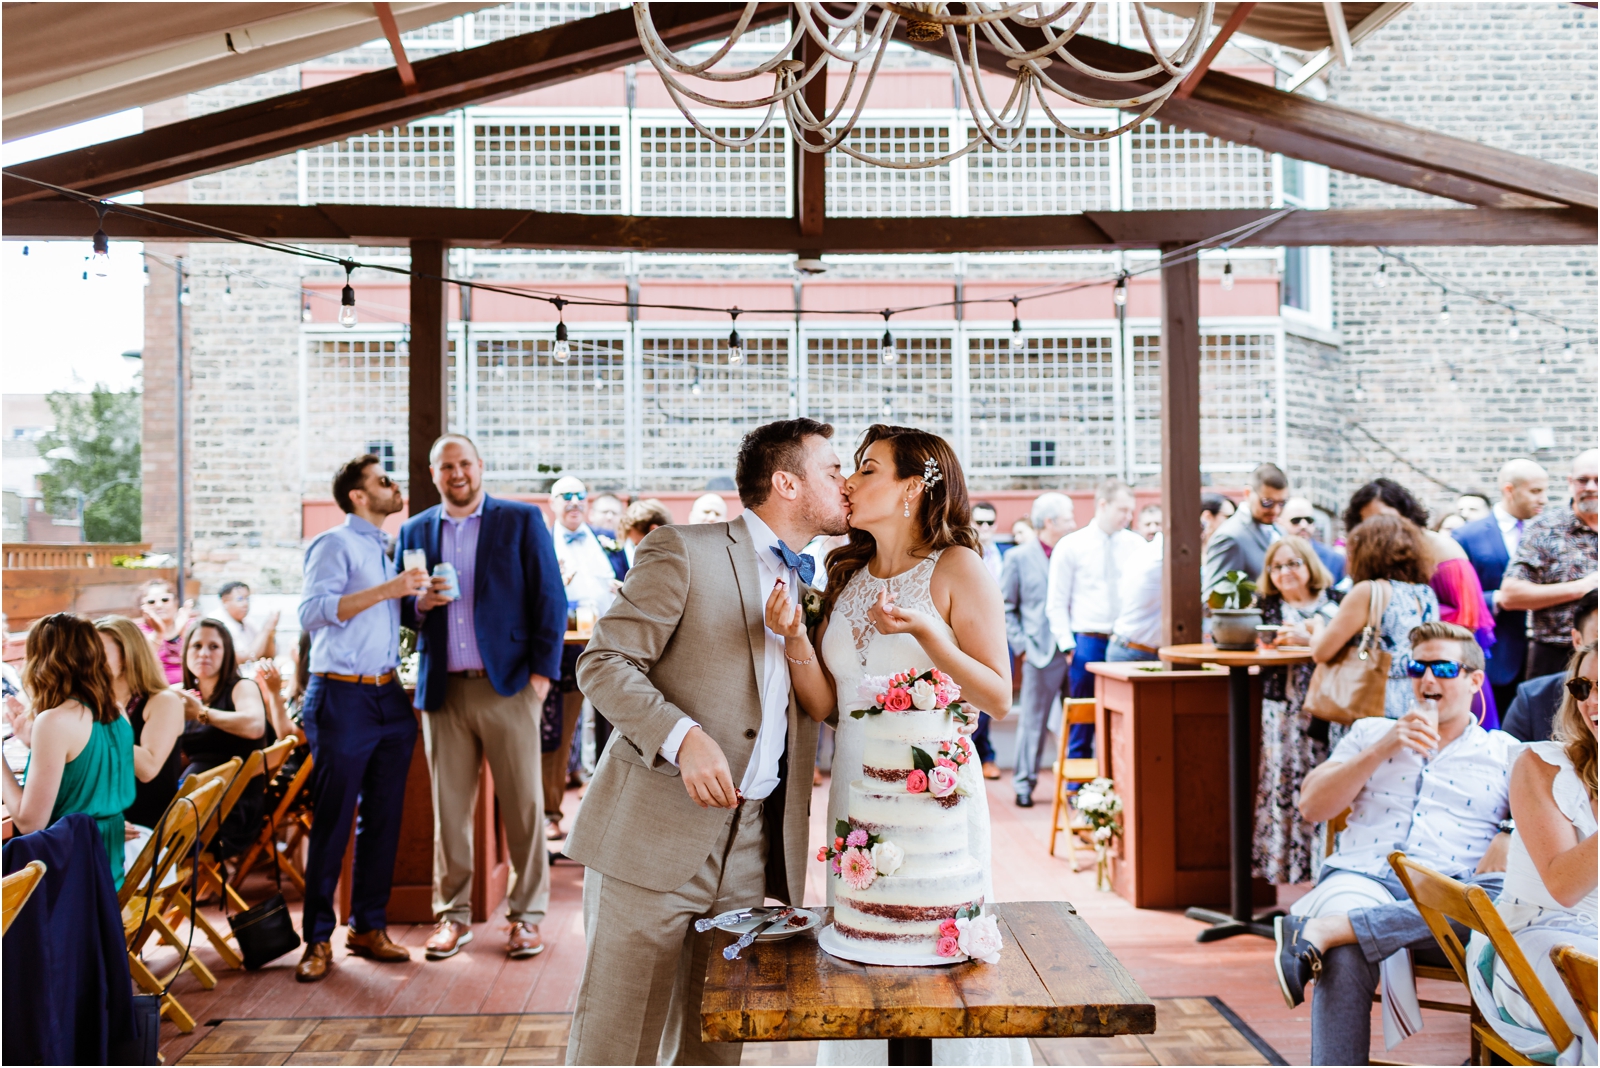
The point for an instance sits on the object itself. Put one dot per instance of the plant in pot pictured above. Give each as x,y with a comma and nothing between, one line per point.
1234,617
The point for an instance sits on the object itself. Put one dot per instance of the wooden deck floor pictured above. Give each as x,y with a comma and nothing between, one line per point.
1157,946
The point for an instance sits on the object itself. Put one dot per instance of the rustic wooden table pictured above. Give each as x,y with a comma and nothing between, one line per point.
1241,799
1055,979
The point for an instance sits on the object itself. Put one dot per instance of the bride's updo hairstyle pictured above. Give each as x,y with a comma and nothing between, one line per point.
943,512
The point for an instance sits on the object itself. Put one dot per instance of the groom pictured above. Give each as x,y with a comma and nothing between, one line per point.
693,809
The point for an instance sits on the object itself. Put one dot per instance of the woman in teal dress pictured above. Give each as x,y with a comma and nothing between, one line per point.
80,745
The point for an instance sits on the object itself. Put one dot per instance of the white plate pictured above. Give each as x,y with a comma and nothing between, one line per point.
779,933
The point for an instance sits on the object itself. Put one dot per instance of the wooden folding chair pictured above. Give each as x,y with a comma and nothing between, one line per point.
1578,972
17,888
1441,899
1071,770
292,819
143,889
264,763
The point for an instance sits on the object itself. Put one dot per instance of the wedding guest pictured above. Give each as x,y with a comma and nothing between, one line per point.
641,518
1149,524
708,508
1472,507
1438,793
605,517
1214,510
80,746
1137,634
1491,544
1533,711
1449,523
1549,894
163,624
1240,542
1085,571
1295,593
1555,565
490,648
252,638
1300,518
1022,532
226,718
357,721
1025,585
155,715
984,518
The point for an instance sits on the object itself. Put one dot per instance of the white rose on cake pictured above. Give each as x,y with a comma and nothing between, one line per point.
887,858
979,938
924,696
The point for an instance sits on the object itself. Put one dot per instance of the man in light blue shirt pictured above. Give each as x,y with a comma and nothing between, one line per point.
356,715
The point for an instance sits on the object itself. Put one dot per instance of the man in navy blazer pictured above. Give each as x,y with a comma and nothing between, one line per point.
490,641
1490,543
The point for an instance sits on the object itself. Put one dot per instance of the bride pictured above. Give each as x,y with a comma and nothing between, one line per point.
909,592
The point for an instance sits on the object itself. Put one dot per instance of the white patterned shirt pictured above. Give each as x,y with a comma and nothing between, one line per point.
1442,811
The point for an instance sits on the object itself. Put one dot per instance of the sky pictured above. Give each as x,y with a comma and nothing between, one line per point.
58,331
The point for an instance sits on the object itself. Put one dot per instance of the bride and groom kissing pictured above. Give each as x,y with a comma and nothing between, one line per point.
715,686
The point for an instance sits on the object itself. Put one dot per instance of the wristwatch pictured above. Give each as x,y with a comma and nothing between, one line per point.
205,715
1508,825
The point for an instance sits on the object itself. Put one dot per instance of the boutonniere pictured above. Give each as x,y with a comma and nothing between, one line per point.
811,604
608,544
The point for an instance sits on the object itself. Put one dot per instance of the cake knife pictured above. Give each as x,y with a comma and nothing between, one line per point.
730,917
732,952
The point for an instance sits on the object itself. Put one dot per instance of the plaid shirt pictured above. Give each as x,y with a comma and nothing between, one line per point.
1556,547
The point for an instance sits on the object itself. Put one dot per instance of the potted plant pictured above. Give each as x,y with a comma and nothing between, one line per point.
1233,616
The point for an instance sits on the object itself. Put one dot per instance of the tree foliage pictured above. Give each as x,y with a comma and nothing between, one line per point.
94,457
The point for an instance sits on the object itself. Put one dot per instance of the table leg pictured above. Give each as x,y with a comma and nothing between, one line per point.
1241,819
911,1051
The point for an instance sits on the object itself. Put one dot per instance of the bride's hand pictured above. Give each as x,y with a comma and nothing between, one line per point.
784,618
889,618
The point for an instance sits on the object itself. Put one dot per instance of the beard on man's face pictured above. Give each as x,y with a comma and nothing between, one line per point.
825,509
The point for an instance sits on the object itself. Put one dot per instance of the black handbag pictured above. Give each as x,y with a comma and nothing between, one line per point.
264,931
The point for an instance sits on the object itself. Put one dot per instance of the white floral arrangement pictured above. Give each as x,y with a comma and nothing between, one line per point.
1100,806
972,933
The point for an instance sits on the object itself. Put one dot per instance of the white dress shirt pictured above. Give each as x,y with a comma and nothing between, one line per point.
1510,529
1441,811
1086,570
1139,621
592,574
761,774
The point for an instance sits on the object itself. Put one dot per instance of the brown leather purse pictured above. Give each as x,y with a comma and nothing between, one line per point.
1352,685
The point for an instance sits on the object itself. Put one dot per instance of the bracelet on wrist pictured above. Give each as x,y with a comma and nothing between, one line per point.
802,663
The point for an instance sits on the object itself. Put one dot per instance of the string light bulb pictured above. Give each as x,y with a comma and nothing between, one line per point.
1227,275
1444,309
694,387
227,290
1016,325
100,259
1119,292
184,297
1380,279
561,351
735,343
1513,331
347,298
144,279
886,352
305,307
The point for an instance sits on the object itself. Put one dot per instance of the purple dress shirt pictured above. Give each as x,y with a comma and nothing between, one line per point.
458,545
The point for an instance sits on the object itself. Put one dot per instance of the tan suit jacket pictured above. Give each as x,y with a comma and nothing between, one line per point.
685,637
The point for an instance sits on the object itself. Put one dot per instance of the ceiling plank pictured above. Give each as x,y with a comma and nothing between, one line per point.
511,228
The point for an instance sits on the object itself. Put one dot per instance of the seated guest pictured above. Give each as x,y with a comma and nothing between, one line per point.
1549,894
80,747
252,638
1537,701
155,713
226,716
163,624
1437,791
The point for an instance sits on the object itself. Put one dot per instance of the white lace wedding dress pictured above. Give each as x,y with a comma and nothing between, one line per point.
852,648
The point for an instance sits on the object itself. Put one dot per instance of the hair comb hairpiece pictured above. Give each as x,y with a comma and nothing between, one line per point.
930,473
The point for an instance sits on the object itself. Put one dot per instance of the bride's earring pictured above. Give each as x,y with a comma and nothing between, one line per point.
907,512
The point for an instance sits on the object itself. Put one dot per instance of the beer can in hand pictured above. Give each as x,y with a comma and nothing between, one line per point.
448,571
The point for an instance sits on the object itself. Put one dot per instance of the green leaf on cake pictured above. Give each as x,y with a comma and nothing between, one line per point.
922,761
841,829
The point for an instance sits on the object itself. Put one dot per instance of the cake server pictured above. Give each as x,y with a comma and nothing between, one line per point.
731,917
733,951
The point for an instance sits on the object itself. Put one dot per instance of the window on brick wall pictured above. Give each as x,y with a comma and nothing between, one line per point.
548,166
1172,168
384,451
856,188
694,408
530,410
1024,399
1053,173
413,164
848,385
682,172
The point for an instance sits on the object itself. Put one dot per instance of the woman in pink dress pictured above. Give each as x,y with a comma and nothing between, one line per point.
164,623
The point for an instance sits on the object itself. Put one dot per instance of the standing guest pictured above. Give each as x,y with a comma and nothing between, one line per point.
1085,573
1136,635
1240,543
163,624
1297,595
252,639
708,508
605,516
489,650
984,518
1214,510
1025,585
1300,519
1533,711
1491,544
641,518
1149,524
1449,523
155,715
1472,506
1389,548
1022,533
80,747
1555,565
359,725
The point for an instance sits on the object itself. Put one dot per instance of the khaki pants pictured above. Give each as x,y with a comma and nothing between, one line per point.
555,764
639,1000
475,722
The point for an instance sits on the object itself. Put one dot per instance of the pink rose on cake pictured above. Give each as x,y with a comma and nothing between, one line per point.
979,938
896,699
942,780
916,782
948,946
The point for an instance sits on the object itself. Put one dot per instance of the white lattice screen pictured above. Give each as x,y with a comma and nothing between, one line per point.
1171,168
1049,403
357,392
413,164
548,167
1145,353
683,173
848,385
530,410
694,407
1238,413
857,189
509,20
1052,174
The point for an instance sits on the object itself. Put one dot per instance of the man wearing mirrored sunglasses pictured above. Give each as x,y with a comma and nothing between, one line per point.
1435,788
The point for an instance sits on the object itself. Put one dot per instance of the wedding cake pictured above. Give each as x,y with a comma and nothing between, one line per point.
907,890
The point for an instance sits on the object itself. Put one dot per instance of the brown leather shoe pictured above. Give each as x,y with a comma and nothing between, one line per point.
524,941
991,770
447,939
315,963
375,945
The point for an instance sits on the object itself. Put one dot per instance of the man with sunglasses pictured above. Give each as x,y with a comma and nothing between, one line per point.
1538,700
1434,787
1300,519
1241,543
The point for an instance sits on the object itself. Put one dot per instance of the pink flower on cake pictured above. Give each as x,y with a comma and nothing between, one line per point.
980,938
822,854
834,864
855,865
948,946
942,781
947,927
858,837
916,782
944,762
838,845
896,700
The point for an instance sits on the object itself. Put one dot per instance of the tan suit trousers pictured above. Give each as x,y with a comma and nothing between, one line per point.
555,763
639,1000
475,722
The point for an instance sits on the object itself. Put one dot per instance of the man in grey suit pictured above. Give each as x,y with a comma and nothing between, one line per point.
1241,542
1025,583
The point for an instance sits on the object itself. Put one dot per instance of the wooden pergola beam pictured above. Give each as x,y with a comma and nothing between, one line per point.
510,228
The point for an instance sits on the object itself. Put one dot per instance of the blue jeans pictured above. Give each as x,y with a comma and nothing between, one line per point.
1118,653
1089,649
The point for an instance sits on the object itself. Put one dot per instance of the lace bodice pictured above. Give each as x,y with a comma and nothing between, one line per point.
911,589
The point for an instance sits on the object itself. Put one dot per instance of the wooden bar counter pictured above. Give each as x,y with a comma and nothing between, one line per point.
1162,736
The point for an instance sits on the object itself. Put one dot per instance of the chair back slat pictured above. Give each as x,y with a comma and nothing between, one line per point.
1579,973
1079,709
135,873
179,826
17,888
1331,831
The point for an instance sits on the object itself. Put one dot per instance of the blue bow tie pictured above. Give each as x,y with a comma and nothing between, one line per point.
575,536
805,565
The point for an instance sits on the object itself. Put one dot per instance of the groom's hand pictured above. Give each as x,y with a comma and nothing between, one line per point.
705,771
